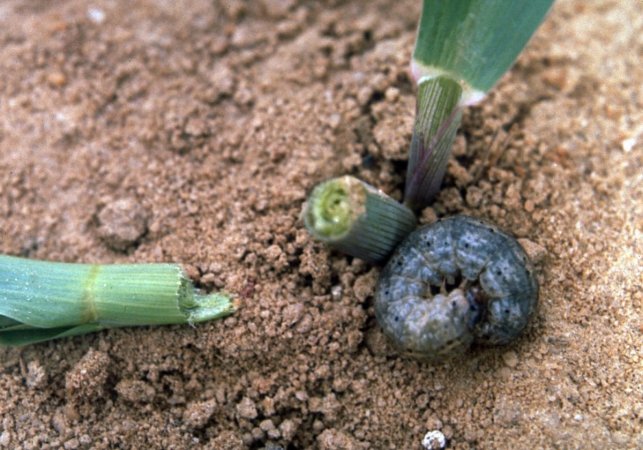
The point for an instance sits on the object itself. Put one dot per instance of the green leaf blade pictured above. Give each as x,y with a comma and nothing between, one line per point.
36,335
42,294
474,41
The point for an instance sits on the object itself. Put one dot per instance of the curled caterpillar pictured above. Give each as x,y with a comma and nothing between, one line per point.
451,283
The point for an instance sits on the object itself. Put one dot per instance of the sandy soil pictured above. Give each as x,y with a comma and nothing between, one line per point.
192,131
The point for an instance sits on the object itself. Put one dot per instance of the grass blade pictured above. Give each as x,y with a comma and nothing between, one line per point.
474,41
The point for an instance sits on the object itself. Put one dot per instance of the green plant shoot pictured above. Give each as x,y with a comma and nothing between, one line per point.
462,48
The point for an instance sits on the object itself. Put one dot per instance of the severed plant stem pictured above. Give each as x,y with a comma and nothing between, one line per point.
437,119
42,300
354,217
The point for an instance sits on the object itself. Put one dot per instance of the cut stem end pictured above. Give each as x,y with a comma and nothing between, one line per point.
333,208
357,219
211,306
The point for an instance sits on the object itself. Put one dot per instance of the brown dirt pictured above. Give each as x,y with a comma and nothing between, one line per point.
192,131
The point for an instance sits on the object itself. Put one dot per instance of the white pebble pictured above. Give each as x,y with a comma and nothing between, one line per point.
96,15
5,439
628,144
434,440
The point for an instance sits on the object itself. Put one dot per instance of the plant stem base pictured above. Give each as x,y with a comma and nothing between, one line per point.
437,119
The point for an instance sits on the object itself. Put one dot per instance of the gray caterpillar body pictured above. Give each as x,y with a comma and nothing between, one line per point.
454,282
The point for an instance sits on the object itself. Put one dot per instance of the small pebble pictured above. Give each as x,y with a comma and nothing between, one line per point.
434,440
96,15
5,438
292,313
86,380
267,425
36,375
122,223
336,292
135,391
335,121
628,144
536,252
331,439
198,414
392,94
428,216
288,428
208,278
510,358
257,434
364,285
71,444
56,79
247,409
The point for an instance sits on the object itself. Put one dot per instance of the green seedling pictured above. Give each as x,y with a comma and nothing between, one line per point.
462,49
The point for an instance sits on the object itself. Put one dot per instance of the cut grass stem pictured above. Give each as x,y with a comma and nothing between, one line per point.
42,300
354,217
